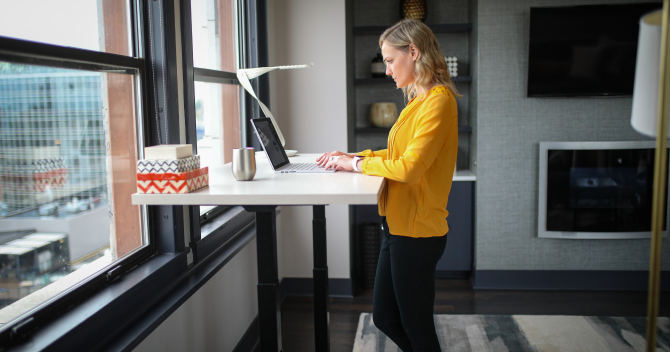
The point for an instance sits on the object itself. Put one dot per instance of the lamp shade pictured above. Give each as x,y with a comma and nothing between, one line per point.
645,94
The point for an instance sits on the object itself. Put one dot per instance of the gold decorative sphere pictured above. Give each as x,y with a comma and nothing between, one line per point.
413,9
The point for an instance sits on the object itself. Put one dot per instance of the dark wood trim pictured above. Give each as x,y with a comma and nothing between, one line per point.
453,274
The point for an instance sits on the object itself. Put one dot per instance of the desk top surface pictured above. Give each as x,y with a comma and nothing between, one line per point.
270,188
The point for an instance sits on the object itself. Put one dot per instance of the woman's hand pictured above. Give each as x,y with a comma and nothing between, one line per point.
325,157
340,163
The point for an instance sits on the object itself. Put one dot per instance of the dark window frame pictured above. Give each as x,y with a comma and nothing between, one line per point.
121,314
204,237
42,54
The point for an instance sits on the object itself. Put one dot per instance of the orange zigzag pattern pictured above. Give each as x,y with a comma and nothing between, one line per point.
182,182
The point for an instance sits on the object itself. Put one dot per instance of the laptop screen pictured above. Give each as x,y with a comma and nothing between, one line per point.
268,138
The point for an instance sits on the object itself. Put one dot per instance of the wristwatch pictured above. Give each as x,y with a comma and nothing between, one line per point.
354,163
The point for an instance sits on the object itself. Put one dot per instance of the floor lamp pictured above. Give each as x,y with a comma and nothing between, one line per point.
650,117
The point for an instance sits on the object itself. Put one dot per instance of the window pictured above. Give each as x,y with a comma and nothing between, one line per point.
215,48
215,38
70,132
92,25
73,119
56,182
217,121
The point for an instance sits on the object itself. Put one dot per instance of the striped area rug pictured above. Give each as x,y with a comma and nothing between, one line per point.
520,333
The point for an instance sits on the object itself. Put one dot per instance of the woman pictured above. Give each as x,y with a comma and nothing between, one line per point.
418,167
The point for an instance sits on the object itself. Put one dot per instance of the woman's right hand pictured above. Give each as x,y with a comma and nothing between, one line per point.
323,159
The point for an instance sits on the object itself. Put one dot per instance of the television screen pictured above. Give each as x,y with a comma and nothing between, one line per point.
585,50
596,189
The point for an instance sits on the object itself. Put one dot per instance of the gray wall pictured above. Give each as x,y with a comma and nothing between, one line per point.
509,127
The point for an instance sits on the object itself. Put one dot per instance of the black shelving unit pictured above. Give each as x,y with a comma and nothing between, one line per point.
453,29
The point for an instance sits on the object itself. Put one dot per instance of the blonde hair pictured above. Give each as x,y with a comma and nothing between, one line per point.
431,66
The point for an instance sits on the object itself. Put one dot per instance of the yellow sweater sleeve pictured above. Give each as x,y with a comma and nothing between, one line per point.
369,153
430,134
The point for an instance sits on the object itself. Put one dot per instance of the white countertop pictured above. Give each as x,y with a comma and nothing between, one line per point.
270,188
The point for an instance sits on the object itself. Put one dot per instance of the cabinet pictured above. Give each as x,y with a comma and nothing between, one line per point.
450,21
457,257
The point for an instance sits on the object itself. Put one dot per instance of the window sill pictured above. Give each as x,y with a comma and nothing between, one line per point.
185,287
92,324
121,315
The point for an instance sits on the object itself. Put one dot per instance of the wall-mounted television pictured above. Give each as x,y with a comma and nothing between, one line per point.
587,50
596,190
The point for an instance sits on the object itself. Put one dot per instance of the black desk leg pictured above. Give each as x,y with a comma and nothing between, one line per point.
321,321
269,314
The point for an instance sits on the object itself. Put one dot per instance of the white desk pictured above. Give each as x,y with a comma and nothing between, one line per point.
270,188
262,195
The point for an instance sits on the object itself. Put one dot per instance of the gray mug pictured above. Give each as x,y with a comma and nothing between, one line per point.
244,164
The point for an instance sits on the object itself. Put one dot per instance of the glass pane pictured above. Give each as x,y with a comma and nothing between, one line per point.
217,110
214,24
206,208
86,24
68,156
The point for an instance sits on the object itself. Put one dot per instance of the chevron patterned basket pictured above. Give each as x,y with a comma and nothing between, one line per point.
181,182
168,166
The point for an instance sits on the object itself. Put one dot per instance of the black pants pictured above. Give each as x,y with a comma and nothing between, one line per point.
404,295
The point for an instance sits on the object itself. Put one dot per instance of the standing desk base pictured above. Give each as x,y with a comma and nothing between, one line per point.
320,273
269,311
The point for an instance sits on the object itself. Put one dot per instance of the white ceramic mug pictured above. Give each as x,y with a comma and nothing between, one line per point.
383,114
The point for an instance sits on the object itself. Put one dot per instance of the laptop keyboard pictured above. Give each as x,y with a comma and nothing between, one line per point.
300,166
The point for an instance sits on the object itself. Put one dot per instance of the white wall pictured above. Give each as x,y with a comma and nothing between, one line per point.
310,107
216,317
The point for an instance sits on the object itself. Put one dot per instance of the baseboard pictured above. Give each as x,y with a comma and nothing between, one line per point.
250,341
299,286
451,274
565,280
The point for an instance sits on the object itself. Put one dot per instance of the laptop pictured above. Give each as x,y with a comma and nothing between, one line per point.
275,151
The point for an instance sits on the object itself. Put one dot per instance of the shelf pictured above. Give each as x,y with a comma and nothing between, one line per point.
436,28
362,130
389,81
464,175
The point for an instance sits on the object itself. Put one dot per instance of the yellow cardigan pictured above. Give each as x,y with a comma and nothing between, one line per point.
418,165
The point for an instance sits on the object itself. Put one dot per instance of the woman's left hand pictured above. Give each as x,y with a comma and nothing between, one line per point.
340,163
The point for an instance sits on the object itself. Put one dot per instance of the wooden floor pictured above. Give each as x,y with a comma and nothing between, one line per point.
458,297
